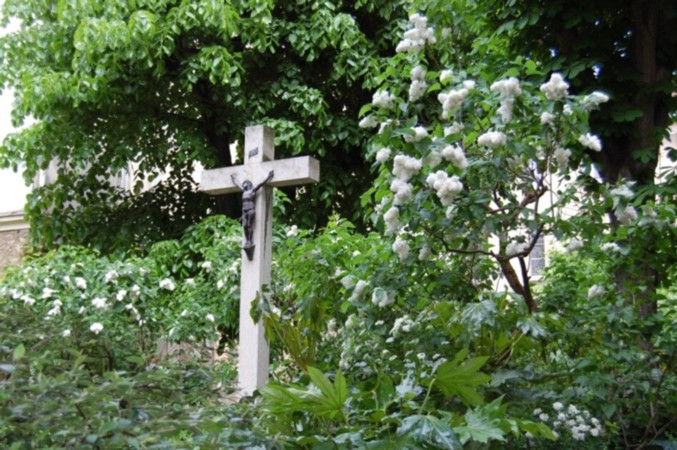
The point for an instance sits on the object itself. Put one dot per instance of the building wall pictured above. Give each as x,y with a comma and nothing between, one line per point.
13,238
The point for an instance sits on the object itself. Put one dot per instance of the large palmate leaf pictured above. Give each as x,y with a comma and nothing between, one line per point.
430,430
462,379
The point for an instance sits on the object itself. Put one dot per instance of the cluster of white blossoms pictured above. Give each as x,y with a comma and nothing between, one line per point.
206,265
590,141
454,128
405,167
516,248
358,290
403,191
110,276
556,88
383,155
455,155
596,291
416,38
402,324
610,247
447,187
56,308
401,247
453,99
547,118
562,156
592,101
81,283
420,133
579,423
382,298
168,284
418,85
383,99
99,303
392,220
508,90
492,139
626,214
368,122
574,244
96,327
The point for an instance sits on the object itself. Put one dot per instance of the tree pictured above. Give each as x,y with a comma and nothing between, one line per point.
159,85
629,51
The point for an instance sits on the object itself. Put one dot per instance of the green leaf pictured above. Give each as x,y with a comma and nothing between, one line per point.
480,427
19,352
429,430
453,378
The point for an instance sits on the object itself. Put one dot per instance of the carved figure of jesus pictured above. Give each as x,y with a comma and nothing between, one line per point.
249,208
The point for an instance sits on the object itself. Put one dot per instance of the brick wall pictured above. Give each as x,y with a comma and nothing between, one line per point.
13,236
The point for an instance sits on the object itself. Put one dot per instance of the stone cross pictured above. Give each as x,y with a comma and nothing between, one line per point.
259,154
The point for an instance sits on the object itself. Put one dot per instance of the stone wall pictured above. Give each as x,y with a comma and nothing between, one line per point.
13,237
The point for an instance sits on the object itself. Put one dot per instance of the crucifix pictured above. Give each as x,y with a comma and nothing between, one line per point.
256,179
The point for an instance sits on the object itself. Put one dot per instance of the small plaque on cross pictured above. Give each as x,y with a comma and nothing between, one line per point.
255,179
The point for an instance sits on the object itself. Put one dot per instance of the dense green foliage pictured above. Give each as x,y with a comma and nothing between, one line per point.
157,86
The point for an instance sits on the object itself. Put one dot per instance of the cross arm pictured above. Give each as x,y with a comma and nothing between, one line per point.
288,172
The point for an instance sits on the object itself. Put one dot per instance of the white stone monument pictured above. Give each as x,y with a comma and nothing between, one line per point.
259,154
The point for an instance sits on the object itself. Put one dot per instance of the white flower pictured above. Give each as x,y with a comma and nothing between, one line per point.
492,139
424,253
451,100
210,318
66,333
383,99
417,89
383,155
358,290
293,231
206,265
99,303
433,159
382,298
81,283
537,411
111,275
420,133
219,284
507,88
454,154
528,435
47,292
401,247
546,118
590,141
543,417
469,84
593,100
610,247
505,110
391,218
190,282
406,167
136,291
626,215
623,191
403,191
121,295
416,38
167,284
594,432
515,248
96,328
455,127
595,291
403,323
446,75
562,155
418,73
82,310
54,311
447,187
573,245
368,122
556,88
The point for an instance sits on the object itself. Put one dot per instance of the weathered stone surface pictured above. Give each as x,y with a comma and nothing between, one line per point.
13,238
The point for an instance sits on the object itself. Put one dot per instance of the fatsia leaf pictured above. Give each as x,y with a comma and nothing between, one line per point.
480,427
454,378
